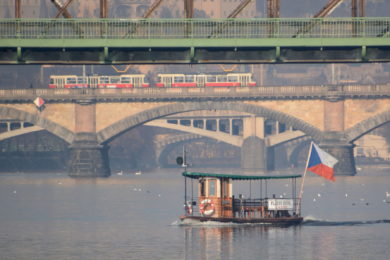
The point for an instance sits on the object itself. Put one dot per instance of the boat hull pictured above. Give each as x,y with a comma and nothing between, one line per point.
287,221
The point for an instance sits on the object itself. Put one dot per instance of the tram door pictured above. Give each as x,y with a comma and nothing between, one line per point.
137,81
244,80
167,81
200,81
60,82
93,81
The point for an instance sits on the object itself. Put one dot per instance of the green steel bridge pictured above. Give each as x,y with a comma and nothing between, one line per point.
194,41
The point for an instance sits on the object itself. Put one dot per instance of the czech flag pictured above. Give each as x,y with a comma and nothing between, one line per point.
321,162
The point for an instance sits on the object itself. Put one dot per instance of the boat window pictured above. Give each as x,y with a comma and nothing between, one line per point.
225,188
212,190
202,188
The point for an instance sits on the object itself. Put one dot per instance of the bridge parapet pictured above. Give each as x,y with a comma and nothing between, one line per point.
165,41
327,92
237,28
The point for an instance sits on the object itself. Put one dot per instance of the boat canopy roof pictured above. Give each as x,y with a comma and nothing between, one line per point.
197,175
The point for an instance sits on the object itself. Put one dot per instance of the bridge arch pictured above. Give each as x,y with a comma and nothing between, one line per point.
56,129
362,128
109,133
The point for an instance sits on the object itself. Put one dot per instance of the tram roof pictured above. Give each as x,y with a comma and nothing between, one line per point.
197,175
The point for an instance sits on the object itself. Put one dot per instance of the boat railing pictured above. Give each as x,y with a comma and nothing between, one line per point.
257,208
238,204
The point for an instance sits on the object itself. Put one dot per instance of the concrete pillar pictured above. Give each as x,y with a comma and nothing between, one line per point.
253,154
277,127
87,157
253,150
253,126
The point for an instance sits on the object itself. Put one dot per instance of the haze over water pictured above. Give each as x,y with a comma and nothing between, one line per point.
51,216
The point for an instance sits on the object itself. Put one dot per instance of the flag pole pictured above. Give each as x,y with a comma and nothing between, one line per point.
303,180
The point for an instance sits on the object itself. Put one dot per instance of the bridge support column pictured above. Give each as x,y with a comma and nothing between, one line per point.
334,142
253,154
87,157
253,150
343,151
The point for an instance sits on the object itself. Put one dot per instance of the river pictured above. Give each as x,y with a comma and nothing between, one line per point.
52,216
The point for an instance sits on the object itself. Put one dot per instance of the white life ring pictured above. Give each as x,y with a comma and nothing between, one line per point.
206,207
188,208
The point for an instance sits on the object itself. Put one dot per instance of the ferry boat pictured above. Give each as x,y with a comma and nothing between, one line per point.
215,200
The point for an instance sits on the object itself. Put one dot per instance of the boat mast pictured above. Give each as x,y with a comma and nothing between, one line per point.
303,181
185,178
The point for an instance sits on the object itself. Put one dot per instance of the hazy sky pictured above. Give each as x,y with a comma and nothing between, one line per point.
288,8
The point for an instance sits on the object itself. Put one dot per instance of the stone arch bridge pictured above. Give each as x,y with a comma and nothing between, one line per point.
333,116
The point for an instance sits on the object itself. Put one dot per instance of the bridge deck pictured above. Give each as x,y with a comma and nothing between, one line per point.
331,92
122,41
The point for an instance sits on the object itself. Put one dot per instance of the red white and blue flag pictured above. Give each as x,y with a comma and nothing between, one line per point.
321,162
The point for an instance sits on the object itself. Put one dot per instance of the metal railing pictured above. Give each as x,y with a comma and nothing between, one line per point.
194,28
270,92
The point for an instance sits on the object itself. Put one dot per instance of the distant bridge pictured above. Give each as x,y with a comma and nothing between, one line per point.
88,119
167,41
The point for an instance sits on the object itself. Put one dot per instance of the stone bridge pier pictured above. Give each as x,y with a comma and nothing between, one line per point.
342,150
87,157
334,140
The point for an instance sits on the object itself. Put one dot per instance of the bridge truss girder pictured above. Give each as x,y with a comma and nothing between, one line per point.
194,55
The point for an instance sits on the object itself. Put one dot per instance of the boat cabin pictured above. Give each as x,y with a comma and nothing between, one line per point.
212,198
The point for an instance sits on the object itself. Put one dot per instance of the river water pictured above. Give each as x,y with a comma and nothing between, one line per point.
51,216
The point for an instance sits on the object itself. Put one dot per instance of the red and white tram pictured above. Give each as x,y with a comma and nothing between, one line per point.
95,81
203,80
164,80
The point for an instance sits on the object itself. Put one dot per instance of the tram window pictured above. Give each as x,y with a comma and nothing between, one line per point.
232,79
189,78
179,79
103,79
81,80
51,81
114,80
71,81
221,79
211,79
126,80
